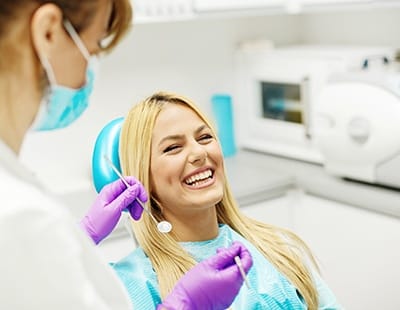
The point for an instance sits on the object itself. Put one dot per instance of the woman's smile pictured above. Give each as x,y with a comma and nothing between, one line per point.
201,178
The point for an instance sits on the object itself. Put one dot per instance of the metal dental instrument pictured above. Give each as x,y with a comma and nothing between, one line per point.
163,226
239,264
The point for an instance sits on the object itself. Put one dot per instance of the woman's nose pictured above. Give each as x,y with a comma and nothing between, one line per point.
197,155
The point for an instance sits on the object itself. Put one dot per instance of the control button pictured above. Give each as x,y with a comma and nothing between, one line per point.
359,129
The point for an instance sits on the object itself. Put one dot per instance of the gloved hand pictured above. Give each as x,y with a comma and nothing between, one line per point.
212,284
106,211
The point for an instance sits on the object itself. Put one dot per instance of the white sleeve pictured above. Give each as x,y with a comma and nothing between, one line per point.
48,263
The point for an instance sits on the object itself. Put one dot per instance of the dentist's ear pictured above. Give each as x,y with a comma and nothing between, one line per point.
46,29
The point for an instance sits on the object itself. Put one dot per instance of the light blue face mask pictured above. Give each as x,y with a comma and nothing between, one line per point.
63,105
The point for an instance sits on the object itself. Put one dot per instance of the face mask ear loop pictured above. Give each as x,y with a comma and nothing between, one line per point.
49,70
75,37
52,80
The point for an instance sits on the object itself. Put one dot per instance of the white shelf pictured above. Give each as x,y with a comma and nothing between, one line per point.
227,5
154,11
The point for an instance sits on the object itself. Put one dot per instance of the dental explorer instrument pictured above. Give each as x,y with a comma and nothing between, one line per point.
239,264
163,226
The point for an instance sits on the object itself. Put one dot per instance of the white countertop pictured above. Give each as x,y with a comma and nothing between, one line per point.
313,179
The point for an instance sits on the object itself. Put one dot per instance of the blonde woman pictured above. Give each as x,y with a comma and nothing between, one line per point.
170,146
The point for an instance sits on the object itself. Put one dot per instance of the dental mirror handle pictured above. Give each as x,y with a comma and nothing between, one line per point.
128,185
240,266
163,226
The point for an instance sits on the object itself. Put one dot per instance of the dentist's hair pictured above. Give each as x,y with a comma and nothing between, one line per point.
15,17
287,252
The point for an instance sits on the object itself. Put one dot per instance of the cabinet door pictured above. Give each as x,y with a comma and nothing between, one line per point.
358,251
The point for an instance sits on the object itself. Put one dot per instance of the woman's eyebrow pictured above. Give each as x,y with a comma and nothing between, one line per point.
177,137
171,137
201,128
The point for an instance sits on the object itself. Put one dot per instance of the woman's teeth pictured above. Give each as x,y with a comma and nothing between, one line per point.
199,178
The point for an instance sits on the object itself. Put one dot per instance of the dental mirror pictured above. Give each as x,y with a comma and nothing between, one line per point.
164,227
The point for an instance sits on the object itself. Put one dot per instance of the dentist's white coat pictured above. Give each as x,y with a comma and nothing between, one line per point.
46,261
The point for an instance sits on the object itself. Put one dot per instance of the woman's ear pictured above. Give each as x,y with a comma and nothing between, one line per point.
46,29
155,204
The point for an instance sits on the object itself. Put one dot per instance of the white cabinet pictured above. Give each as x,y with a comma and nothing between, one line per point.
358,250
327,5
162,10
211,5
286,6
149,11
334,2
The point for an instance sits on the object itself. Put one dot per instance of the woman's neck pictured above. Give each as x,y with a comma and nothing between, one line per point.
201,226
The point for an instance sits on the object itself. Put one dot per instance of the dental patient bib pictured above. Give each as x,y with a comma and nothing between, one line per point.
269,289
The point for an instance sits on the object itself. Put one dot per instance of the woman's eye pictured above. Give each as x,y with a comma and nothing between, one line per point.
171,148
206,137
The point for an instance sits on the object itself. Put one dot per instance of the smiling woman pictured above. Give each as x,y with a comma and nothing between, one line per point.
186,162
172,148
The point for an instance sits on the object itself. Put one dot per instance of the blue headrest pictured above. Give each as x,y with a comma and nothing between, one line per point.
107,144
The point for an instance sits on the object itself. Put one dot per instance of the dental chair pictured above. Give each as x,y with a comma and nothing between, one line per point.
106,146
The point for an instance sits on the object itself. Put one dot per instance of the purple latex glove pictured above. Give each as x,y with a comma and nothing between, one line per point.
212,284
106,211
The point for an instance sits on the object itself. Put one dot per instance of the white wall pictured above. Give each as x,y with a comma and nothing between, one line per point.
369,27
194,58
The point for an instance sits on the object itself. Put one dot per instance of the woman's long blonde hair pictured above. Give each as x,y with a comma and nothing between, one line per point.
287,252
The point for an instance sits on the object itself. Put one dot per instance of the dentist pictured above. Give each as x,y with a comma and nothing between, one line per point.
47,50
